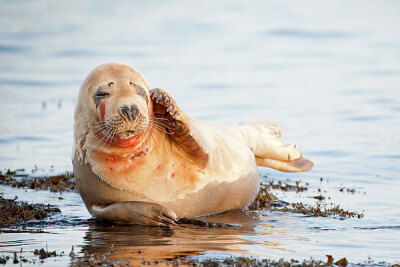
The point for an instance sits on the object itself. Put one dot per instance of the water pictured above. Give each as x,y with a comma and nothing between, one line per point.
328,74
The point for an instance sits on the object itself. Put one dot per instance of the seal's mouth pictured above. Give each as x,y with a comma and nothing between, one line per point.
129,138
120,132
130,133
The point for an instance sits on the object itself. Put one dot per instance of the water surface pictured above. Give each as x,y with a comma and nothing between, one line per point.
328,74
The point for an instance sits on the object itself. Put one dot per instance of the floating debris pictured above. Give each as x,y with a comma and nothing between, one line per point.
342,262
15,261
245,261
348,190
72,254
330,260
43,254
288,187
319,197
3,260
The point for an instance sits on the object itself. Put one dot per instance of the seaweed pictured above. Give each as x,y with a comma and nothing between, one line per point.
13,212
264,198
320,210
57,183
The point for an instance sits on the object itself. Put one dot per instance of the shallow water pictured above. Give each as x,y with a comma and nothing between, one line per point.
328,75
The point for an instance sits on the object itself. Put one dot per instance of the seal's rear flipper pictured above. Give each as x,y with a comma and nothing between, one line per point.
167,114
264,140
297,165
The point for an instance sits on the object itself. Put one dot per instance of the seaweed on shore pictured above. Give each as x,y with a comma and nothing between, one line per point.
319,210
102,259
266,200
13,212
57,183
95,259
288,187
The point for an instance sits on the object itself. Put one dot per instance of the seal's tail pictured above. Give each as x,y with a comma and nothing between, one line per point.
263,138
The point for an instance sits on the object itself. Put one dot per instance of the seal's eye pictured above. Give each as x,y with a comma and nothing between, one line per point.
99,95
144,95
140,91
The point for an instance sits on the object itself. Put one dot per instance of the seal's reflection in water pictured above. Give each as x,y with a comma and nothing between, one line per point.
133,242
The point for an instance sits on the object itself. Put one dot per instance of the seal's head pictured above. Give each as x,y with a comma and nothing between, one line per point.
113,106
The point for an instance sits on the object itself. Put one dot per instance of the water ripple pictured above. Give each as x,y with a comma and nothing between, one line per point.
37,83
11,49
294,33
75,53
16,139
383,227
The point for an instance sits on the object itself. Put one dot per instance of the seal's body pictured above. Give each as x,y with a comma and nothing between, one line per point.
139,159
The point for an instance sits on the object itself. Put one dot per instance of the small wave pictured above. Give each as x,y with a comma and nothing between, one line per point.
329,153
36,83
294,33
364,118
11,49
22,138
382,227
75,53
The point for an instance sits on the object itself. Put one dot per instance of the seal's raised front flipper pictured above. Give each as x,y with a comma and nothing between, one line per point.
174,121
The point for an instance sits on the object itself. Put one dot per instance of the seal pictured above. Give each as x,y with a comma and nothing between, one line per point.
138,158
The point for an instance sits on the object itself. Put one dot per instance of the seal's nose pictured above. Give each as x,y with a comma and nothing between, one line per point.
130,112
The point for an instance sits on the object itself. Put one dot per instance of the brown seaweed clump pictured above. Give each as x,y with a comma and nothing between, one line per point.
249,261
43,254
288,187
13,212
211,262
57,183
266,200
320,210
263,199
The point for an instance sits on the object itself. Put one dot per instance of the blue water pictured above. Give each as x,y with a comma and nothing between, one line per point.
327,73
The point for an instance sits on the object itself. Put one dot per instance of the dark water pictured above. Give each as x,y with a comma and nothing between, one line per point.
327,73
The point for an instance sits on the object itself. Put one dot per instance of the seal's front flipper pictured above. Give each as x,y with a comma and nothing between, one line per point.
167,114
297,165
135,212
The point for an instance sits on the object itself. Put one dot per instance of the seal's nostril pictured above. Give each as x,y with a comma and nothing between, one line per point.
135,111
130,113
126,112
